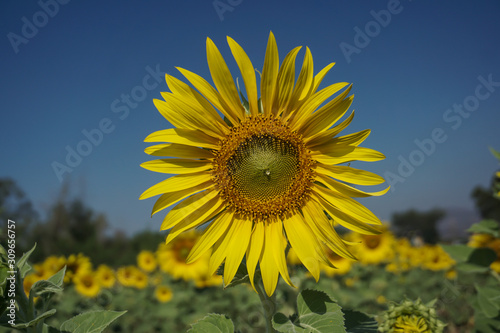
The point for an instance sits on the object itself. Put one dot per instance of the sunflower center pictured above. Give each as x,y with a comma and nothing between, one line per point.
263,168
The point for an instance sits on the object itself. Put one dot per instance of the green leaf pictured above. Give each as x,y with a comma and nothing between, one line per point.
58,278
359,322
488,299
471,268
317,313
22,264
459,253
35,321
215,323
490,227
495,153
90,322
484,324
44,287
482,257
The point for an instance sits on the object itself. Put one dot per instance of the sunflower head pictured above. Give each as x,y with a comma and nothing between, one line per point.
411,317
86,284
266,171
163,294
146,261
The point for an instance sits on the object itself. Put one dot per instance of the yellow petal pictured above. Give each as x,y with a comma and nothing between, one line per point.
269,75
354,139
186,207
170,198
223,79
343,154
350,175
211,94
303,87
254,250
195,218
210,235
278,246
327,115
348,190
236,248
177,165
346,204
303,242
219,252
248,73
178,150
189,114
313,103
344,219
285,82
176,183
184,136
313,213
326,136
268,268
195,99
319,77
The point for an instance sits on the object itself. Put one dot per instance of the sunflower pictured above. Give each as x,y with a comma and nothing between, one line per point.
374,249
105,276
172,258
86,284
263,170
76,264
340,264
411,317
436,259
163,294
126,275
146,261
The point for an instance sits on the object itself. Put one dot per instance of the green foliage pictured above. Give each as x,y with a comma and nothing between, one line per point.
471,260
213,323
490,227
19,311
316,312
90,322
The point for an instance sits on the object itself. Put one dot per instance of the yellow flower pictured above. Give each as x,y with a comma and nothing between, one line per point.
140,280
54,264
126,275
163,294
146,261
206,281
105,276
86,284
374,249
436,259
411,317
172,258
342,265
266,173
76,264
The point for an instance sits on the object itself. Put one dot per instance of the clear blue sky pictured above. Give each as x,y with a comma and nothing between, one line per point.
69,68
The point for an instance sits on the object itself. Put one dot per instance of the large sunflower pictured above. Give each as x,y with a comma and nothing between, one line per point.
267,171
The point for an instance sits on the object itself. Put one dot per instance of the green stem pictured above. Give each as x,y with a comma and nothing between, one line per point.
268,303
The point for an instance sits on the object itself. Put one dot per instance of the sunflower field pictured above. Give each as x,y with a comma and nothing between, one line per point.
264,231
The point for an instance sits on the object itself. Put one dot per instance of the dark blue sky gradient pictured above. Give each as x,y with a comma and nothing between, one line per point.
75,72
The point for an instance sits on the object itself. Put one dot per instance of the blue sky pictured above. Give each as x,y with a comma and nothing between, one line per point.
426,81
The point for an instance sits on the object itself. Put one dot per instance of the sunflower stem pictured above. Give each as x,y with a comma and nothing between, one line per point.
268,303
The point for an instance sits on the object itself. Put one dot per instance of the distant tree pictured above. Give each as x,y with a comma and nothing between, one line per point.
487,200
413,223
14,205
